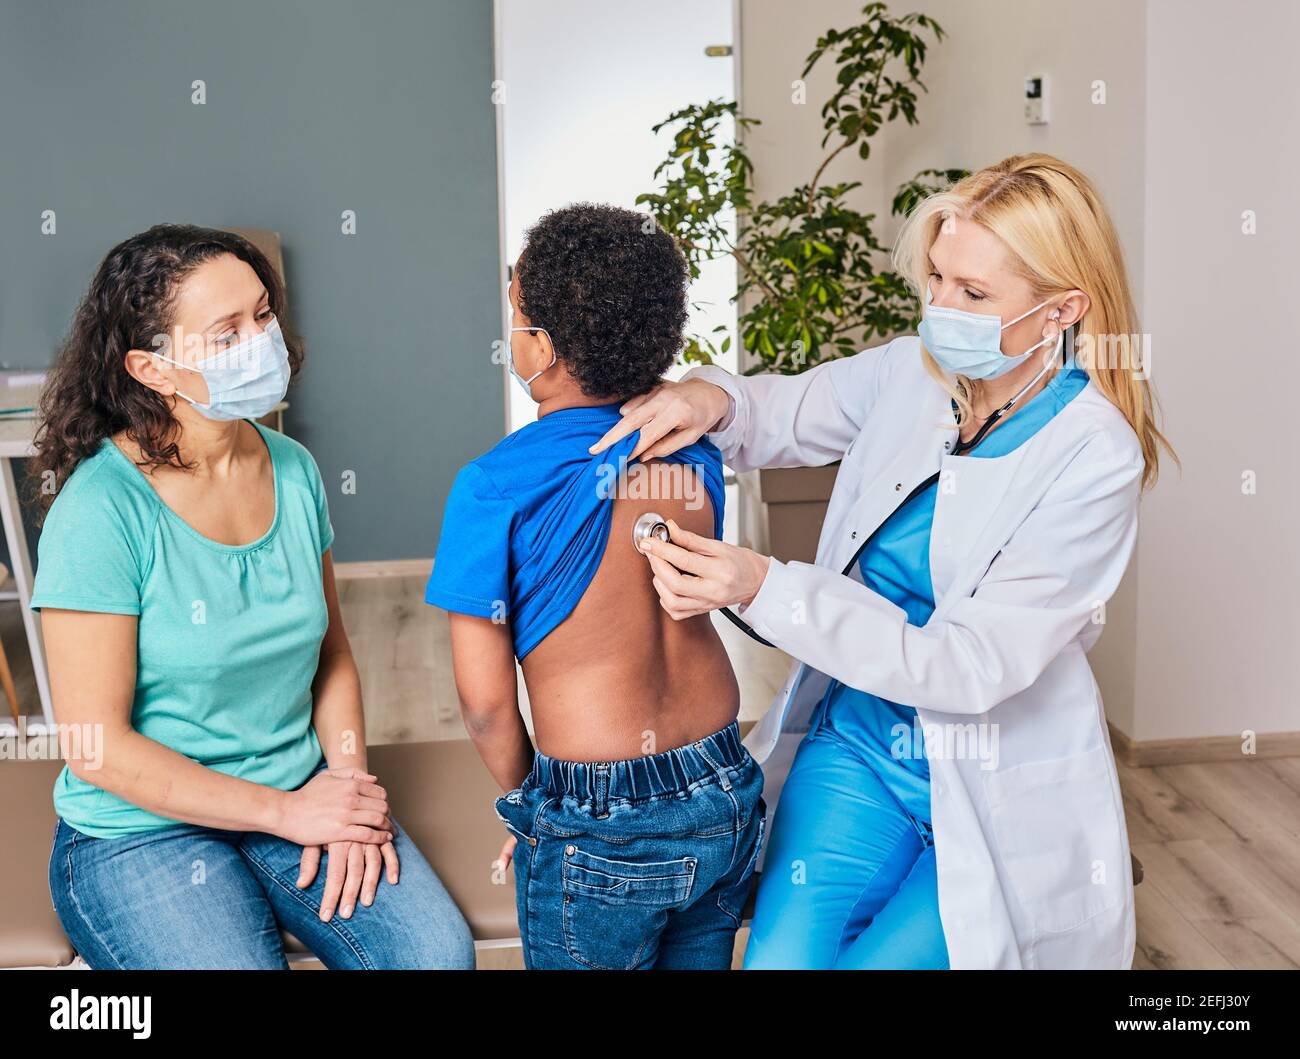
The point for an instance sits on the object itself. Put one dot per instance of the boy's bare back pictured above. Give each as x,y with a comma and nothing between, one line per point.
619,678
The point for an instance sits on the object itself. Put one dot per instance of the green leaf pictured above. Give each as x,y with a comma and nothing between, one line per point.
806,260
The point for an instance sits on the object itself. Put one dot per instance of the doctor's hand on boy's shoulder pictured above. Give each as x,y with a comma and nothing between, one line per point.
670,417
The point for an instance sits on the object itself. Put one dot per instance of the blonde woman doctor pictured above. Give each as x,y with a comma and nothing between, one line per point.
984,512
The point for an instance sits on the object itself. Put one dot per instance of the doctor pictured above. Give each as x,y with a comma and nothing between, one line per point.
948,795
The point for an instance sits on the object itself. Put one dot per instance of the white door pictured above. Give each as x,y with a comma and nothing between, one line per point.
584,81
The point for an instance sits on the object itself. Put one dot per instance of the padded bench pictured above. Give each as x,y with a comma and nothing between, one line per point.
439,792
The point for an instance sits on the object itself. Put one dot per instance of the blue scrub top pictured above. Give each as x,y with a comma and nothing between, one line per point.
896,564
526,523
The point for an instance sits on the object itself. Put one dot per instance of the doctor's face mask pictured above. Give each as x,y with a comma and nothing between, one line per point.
970,344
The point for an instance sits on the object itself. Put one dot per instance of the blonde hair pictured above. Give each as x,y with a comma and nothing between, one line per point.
1061,238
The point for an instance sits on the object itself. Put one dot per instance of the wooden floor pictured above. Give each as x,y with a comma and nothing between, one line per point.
1220,843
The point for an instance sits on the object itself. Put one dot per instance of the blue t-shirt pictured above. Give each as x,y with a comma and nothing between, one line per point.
896,564
227,638
526,523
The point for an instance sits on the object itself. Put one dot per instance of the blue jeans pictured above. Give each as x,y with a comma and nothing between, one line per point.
190,897
849,879
638,864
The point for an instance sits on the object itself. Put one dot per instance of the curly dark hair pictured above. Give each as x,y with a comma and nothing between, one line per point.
89,395
609,286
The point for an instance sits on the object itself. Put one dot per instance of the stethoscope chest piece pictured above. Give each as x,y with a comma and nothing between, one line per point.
653,525
649,525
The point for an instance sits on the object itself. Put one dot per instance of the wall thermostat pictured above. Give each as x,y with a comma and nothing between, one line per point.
1036,100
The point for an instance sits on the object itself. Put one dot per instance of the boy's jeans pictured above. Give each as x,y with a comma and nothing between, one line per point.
637,864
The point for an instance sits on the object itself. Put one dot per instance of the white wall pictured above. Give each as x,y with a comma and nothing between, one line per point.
1200,123
1218,629
972,114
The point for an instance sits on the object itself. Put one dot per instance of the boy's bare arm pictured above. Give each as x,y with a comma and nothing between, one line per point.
483,657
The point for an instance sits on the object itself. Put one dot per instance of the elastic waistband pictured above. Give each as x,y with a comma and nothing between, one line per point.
712,757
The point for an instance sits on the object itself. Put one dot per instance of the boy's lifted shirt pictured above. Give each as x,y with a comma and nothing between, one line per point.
526,523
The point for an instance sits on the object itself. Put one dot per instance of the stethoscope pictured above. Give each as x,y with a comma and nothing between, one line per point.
653,525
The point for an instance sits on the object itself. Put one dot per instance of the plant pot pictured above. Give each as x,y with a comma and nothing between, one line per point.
782,510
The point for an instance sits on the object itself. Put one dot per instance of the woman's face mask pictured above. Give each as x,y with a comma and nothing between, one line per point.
245,381
970,344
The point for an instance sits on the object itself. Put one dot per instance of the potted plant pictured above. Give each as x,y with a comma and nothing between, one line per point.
809,289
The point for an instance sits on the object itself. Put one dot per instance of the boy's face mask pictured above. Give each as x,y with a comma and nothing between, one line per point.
510,359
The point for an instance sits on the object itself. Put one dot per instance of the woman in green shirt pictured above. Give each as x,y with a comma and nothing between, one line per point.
202,679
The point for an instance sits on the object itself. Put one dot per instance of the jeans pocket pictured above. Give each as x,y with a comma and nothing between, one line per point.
512,812
614,909
733,899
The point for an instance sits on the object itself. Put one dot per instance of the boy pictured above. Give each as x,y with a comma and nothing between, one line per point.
639,818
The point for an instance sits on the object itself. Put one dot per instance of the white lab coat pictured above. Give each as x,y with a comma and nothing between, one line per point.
1032,854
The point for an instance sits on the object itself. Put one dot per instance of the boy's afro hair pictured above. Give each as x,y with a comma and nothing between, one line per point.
609,285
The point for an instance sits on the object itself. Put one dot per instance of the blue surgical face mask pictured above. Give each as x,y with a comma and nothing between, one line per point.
510,359
970,344
245,381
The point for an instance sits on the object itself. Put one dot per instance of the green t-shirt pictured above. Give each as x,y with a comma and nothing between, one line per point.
228,640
